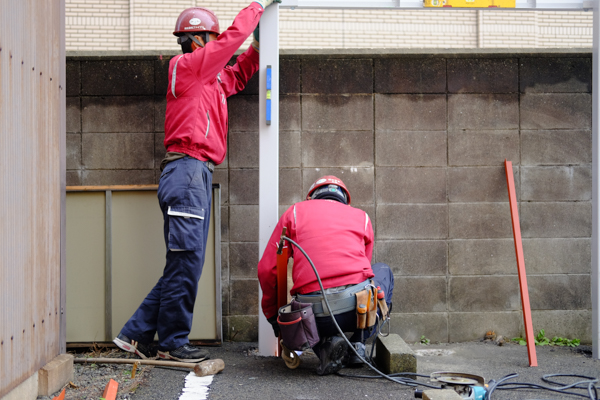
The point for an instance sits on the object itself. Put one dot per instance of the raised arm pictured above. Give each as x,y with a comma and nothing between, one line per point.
212,59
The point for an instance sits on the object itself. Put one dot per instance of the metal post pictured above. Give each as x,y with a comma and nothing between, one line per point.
268,194
63,182
595,181
108,333
516,225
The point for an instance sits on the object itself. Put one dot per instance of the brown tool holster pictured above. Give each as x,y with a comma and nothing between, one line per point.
366,307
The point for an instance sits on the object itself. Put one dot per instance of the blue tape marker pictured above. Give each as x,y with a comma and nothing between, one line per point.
269,76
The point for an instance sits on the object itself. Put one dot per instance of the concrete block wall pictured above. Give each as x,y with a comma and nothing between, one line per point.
420,140
148,25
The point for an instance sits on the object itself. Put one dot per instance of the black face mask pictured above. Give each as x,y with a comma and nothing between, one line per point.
186,47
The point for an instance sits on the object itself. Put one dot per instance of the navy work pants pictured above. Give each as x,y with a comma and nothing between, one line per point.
185,196
347,320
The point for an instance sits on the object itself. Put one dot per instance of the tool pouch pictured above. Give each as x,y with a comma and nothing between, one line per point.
366,308
298,326
361,309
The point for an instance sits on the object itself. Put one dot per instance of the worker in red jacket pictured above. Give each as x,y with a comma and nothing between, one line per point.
196,125
339,240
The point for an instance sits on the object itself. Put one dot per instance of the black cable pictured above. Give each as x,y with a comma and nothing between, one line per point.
546,378
492,385
408,381
592,394
542,387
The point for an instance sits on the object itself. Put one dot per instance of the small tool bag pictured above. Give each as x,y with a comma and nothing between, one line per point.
298,326
366,307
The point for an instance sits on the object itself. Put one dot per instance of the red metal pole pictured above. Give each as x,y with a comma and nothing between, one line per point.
282,261
514,214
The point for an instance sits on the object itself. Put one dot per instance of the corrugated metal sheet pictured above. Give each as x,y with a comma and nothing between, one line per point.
31,151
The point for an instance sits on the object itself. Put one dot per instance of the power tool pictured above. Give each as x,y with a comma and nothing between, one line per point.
468,386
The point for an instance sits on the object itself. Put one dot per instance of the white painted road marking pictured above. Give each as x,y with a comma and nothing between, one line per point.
196,387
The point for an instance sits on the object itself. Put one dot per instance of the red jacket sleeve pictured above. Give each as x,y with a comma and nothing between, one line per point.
267,267
213,58
234,78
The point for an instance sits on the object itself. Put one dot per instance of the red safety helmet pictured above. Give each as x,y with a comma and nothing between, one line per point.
326,181
196,19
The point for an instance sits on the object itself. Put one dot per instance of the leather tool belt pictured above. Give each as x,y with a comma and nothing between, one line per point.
297,326
340,302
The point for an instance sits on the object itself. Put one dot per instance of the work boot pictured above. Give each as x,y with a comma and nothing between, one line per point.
331,355
186,353
144,351
353,360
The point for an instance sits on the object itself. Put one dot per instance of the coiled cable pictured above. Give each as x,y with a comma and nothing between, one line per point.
403,378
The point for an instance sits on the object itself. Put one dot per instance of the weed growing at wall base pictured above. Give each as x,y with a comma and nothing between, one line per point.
542,340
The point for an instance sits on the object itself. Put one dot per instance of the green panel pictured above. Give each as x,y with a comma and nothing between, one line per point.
138,251
139,257
85,266
205,319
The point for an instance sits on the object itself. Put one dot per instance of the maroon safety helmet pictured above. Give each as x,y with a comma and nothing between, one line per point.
196,19
326,181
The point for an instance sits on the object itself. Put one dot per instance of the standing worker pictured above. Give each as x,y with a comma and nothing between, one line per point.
196,124
339,240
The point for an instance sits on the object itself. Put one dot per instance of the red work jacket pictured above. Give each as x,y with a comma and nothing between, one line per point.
196,120
337,238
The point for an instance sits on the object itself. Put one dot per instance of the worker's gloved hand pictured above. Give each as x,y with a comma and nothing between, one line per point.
274,324
256,42
266,3
256,33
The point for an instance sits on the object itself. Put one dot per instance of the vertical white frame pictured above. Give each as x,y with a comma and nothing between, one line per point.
268,176
595,183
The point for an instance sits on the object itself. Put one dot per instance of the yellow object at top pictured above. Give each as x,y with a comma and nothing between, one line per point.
470,3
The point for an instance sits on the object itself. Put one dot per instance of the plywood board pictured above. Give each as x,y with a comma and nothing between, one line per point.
85,266
137,261
139,258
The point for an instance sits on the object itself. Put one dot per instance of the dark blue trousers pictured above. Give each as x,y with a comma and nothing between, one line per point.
185,196
347,320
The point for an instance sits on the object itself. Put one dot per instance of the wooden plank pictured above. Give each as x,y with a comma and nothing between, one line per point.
113,188
111,345
56,374
514,215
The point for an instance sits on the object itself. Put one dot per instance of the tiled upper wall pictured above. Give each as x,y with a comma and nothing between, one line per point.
148,25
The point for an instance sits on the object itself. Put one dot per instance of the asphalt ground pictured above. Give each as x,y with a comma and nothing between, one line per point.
250,376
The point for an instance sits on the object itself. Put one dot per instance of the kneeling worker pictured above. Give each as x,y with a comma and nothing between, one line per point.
339,240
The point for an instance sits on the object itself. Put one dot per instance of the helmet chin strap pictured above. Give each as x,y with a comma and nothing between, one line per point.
187,36
193,38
